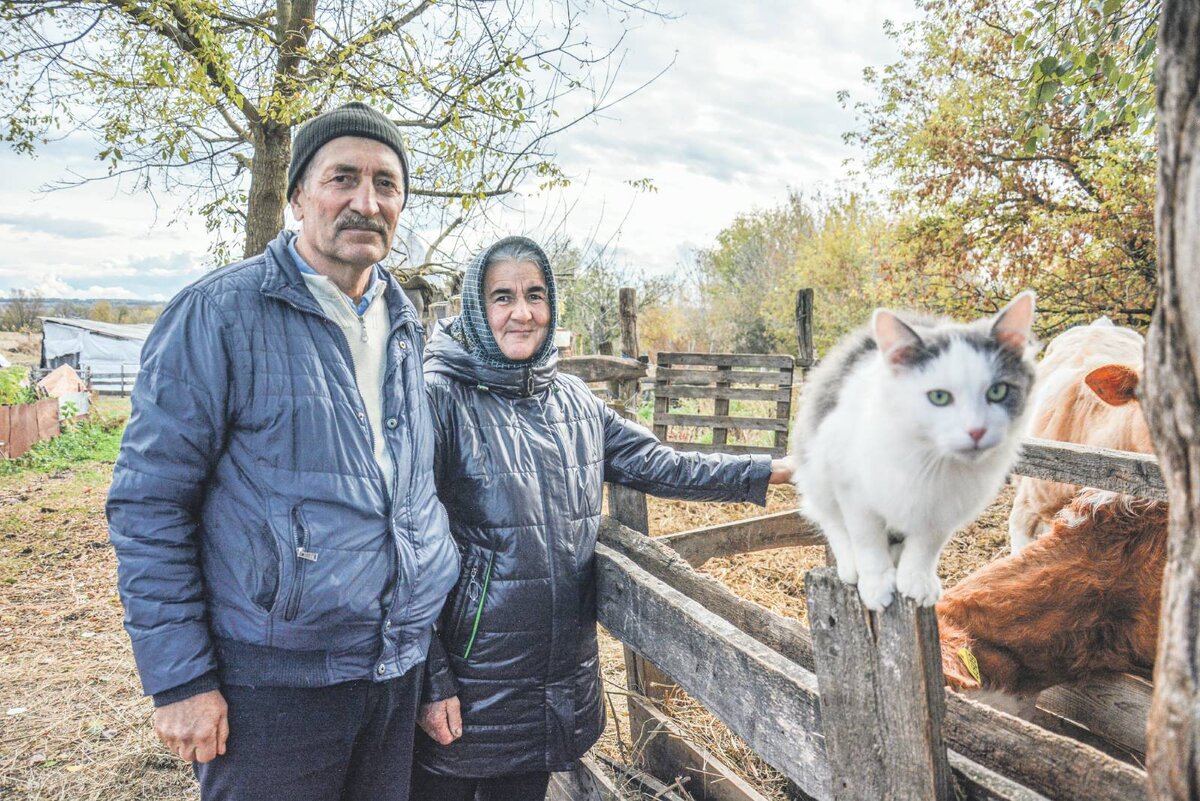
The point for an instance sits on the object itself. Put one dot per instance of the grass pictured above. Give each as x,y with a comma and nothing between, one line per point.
83,441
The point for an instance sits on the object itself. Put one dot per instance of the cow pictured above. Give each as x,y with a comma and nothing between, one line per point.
1080,600
1086,394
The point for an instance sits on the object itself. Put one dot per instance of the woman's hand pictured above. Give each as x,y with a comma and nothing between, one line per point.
781,471
442,720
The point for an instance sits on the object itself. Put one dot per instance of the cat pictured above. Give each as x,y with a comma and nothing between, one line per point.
905,432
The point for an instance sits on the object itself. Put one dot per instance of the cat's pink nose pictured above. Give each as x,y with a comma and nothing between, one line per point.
976,434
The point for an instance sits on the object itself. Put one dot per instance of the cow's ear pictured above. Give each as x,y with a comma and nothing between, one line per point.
1115,384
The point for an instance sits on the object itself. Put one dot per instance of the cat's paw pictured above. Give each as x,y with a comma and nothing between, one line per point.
847,573
878,590
920,585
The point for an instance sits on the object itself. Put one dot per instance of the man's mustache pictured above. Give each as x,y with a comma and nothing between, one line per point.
354,220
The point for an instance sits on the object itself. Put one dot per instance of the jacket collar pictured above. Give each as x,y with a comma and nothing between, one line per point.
284,282
445,356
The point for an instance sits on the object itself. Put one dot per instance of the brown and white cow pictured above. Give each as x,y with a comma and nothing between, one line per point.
1085,394
1082,599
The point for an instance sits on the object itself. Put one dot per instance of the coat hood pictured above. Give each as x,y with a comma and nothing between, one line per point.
444,355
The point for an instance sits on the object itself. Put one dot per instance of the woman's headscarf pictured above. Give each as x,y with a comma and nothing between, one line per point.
471,329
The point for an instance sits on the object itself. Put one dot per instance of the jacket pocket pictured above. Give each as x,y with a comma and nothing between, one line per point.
470,599
301,558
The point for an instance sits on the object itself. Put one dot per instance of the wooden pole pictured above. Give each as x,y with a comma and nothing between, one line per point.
882,699
806,354
1172,403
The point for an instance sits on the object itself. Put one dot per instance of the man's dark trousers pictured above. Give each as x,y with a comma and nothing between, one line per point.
347,742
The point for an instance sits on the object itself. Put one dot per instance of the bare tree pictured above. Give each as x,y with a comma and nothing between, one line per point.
203,96
22,310
1172,404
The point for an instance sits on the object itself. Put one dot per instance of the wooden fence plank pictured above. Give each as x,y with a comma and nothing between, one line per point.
1054,766
730,393
1115,708
777,530
603,368
710,779
726,448
677,375
776,361
587,782
1118,471
882,697
767,700
706,420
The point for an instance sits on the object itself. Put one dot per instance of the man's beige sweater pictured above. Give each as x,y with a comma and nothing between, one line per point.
367,336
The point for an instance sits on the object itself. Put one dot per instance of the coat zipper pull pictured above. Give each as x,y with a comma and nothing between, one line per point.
363,322
529,381
308,556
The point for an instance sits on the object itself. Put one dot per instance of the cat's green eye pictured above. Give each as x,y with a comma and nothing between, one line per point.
997,392
939,397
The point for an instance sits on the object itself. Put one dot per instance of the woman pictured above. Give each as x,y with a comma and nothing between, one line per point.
513,681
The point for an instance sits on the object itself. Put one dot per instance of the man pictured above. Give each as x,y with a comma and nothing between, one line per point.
281,551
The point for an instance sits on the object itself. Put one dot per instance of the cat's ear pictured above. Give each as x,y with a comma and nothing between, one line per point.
1013,326
898,343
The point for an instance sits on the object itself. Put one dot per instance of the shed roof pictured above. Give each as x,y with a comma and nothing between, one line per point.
133,331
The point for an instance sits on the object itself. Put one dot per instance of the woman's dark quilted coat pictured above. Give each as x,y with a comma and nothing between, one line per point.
521,457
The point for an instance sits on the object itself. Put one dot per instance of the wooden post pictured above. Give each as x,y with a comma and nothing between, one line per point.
882,698
630,346
1172,403
806,354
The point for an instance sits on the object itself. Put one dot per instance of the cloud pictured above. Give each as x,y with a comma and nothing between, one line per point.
62,227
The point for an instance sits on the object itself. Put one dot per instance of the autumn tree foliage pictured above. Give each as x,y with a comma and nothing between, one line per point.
202,96
744,286
1003,179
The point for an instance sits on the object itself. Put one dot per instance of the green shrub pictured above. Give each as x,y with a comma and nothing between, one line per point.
11,391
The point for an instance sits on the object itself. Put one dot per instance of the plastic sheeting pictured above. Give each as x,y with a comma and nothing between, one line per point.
104,351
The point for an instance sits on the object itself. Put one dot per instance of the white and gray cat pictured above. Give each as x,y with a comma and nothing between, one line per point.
905,432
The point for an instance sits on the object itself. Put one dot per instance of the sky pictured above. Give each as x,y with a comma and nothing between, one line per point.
747,111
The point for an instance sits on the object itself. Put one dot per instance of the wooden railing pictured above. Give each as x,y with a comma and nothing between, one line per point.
853,708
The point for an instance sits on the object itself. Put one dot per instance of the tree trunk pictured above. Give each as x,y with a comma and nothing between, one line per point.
1172,402
268,185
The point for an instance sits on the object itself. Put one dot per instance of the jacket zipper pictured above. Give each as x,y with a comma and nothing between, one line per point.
487,577
465,601
303,557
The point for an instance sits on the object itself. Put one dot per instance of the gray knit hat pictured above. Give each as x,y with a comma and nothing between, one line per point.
352,119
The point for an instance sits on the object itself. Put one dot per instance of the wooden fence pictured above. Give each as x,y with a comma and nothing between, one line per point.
853,709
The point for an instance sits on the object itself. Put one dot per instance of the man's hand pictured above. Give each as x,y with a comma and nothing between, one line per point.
781,471
194,729
442,720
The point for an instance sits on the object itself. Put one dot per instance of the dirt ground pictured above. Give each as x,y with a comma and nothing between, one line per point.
21,348
73,724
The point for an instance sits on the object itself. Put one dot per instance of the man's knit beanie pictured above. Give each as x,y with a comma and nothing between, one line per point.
352,119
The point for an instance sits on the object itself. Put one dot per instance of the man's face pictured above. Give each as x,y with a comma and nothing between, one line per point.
518,309
349,202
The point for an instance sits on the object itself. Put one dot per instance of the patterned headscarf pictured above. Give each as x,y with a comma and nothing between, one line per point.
471,329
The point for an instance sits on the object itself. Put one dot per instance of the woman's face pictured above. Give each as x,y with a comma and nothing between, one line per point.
518,310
